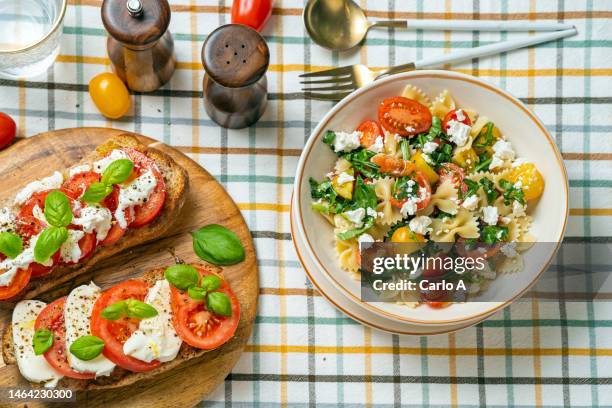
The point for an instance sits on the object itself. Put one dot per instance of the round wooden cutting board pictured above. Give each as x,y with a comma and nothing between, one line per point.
207,203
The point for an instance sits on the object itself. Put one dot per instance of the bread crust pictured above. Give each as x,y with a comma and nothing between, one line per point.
120,377
177,184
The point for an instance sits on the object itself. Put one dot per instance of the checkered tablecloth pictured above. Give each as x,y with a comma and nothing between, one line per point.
303,351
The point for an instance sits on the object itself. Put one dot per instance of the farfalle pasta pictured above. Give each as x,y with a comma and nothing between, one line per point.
428,170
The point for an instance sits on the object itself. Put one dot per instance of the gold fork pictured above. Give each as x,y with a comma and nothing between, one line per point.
336,83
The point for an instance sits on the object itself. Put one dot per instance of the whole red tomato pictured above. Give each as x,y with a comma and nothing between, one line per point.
8,130
253,13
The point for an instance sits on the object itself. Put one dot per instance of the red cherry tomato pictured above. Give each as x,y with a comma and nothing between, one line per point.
370,130
8,130
452,115
253,13
404,116
455,174
424,192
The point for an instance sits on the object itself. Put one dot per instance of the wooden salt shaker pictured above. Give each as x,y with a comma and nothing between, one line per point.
235,58
140,47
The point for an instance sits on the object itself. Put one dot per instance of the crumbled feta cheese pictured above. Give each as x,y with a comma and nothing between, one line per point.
427,158
503,150
470,203
344,178
490,215
355,216
397,137
48,183
519,162
365,238
509,249
458,132
409,207
505,220
460,115
518,184
495,163
419,224
378,145
518,209
371,212
345,142
410,184
410,129
79,169
103,163
430,147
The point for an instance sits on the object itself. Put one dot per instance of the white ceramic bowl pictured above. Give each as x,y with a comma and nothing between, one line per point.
529,139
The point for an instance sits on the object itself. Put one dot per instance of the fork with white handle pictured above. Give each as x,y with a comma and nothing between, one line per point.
336,83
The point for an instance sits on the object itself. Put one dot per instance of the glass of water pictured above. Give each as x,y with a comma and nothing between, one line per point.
30,32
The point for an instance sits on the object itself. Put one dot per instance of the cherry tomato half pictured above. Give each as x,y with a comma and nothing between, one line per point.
370,130
110,95
404,116
452,115
8,130
253,13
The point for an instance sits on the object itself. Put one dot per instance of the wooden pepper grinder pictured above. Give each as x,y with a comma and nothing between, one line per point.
235,58
140,47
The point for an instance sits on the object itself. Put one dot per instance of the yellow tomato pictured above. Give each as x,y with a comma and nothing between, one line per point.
424,168
345,189
110,95
405,236
467,159
481,145
530,178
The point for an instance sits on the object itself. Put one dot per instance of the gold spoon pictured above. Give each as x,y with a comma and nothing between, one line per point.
341,24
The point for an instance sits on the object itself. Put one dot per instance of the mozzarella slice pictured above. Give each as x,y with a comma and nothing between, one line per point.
77,317
134,194
34,368
156,338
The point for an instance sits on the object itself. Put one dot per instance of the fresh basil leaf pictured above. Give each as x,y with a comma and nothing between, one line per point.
491,234
139,310
182,276
210,283
329,138
11,244
219,303
49,242
42,341
489,189
115,311
196,292
58,211
117,172
216,244
87,347
97,192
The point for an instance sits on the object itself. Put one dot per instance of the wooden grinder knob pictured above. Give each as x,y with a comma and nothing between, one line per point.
235,58
140,47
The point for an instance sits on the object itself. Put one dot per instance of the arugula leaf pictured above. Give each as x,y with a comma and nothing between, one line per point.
511,193
401,190
483,163
434,131
489,189
472,188
441,155
352,233
364,195
442,214
491,234
329,138
360,160
330,203
487,136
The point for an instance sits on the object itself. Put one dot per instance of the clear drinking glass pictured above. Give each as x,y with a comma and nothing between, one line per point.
30,32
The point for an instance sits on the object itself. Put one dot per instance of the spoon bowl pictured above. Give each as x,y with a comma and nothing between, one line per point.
335,24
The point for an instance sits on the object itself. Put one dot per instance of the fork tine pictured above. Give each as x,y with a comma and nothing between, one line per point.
349,87
328,81
328,72
326,96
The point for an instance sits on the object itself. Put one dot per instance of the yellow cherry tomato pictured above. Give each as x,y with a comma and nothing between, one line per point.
345,189
531,180
110,95
467,159
483,143
424,168
405,236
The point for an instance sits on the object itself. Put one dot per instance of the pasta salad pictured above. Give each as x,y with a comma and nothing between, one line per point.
428,171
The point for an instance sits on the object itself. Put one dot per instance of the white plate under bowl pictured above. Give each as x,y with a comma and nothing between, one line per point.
357,311
520,126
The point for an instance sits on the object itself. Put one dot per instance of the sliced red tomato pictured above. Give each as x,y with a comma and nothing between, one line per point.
455,173
370,130
76,185
20,281
424,192
27,224
147,212
253,13
116,332
403,116
452,115
196,325
52,318
41,270
87,244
